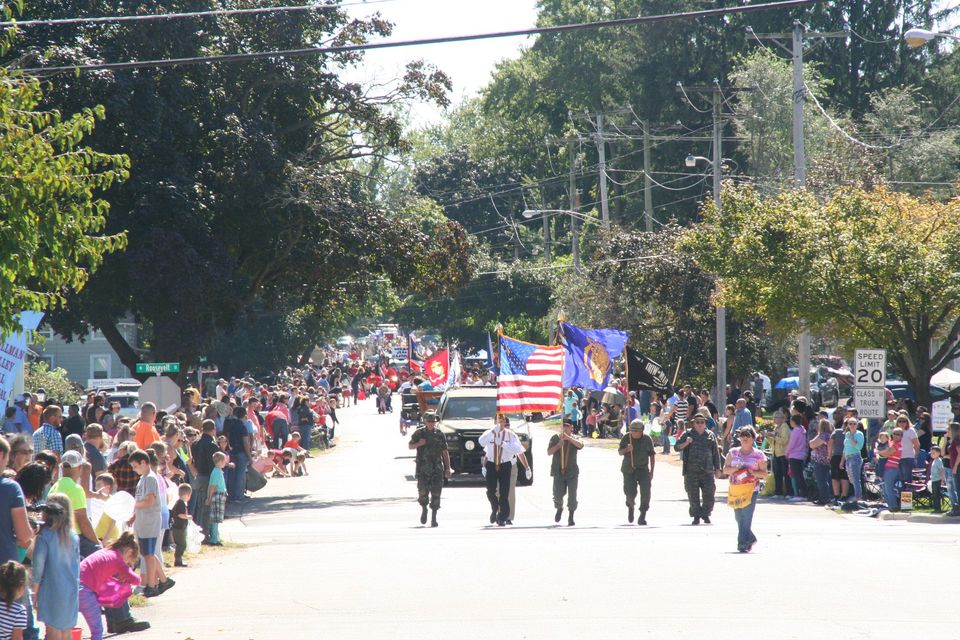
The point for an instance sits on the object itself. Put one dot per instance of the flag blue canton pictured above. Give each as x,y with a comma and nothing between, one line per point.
515,362
590,355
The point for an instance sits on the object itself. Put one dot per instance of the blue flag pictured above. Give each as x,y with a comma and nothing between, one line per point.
590,355
489,352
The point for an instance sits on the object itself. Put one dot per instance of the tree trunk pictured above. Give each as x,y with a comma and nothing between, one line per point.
128,356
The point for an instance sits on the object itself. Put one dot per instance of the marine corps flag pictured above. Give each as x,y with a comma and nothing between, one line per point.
644,373
590,355
437,367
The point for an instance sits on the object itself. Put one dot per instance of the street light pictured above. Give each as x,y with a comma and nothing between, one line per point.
919,37
574,227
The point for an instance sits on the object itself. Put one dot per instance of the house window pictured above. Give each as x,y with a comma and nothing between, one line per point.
100,366
46,332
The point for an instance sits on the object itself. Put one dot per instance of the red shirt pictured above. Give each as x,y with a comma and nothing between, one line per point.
953,451
269,418
292,444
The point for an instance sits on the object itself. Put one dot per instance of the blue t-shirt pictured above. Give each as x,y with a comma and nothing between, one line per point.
217,480
11,497
852,446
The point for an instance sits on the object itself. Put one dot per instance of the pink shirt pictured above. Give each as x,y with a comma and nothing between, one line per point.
102,565
739,460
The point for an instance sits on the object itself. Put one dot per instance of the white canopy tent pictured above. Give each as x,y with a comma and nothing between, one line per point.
946,378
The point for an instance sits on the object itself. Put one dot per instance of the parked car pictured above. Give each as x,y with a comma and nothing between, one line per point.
902,390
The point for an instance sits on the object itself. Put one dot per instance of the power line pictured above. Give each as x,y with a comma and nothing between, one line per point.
152,17
369,46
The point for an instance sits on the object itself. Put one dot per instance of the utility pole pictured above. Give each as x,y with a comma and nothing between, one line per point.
796,38
721,311
647,184
574,206
602,150
800,178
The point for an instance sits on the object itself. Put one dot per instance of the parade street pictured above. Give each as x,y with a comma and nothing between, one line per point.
341,554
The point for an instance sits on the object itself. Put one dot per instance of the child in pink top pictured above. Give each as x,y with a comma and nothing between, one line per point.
108,566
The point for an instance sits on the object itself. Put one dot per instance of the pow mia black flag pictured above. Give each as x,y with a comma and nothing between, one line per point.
644,373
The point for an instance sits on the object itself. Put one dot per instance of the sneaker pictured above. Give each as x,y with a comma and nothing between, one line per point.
166,585
151,592
796,499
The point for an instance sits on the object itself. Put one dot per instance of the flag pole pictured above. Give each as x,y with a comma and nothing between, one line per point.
676,372
626,373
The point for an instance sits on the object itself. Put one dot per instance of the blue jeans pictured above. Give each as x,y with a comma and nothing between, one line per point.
950,483
238,484
32,632
822,473
906,469
306,430
854,466
665,440
744,518
891,487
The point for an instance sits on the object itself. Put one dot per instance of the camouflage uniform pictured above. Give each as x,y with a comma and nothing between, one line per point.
429,466
701,460
636,470
565,478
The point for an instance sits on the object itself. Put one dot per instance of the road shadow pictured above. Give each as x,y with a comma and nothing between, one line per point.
280,504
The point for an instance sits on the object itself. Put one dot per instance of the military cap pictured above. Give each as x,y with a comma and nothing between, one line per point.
637,425
431,415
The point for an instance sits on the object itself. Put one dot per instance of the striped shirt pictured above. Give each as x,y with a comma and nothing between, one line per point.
680,410
12,616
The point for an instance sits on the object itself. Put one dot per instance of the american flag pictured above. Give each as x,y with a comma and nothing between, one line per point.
530,377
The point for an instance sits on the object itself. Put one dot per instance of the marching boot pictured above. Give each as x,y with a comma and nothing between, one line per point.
433,518
570,521
558,514
643,518
706,519
630,514
696,520
423,515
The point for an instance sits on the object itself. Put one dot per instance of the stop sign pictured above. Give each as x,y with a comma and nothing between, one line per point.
161,391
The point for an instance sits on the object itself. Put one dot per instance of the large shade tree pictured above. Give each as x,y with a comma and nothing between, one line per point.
246,184
867,268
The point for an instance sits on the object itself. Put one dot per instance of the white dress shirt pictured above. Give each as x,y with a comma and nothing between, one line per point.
503,440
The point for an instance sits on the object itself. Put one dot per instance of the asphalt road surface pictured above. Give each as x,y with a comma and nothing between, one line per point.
341,554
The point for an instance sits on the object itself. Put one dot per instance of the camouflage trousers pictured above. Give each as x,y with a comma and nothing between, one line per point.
697,483
428,489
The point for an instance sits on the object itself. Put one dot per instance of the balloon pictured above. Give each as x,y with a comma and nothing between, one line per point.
119,506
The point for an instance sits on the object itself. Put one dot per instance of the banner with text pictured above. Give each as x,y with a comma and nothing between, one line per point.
13,352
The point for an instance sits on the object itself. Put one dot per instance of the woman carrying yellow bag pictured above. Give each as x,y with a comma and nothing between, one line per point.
745,466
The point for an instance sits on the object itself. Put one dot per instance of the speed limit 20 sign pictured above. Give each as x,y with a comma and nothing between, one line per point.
870,380
870,368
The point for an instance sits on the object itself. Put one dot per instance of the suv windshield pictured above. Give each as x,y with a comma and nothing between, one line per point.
470,408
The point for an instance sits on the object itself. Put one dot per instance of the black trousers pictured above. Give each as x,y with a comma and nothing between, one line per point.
499,478
780,477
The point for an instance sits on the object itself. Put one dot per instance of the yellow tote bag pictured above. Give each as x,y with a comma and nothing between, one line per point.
740,495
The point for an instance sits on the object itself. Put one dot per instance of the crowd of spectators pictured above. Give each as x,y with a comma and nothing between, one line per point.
61,553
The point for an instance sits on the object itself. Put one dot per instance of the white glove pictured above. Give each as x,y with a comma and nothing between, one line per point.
529,473
483,471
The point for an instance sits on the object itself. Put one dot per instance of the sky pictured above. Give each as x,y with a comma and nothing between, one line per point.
469,64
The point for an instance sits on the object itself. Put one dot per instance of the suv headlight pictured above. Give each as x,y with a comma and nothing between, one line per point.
450,437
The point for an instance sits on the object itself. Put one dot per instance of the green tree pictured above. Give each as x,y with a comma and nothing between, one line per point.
38,375
52,211
644,284
249,185
867,268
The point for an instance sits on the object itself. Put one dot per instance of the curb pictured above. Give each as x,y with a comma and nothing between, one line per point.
918,517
